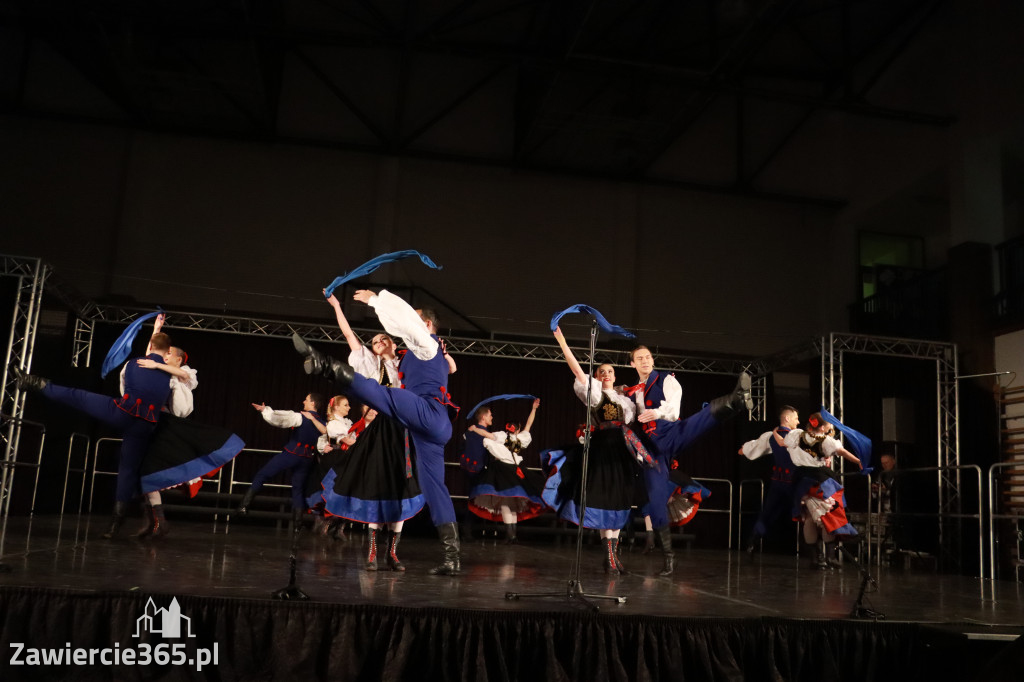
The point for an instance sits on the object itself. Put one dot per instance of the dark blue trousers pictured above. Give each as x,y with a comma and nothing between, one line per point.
135,432
669,439
777,501
284,461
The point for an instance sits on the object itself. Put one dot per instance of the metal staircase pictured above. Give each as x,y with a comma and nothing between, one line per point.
1011,442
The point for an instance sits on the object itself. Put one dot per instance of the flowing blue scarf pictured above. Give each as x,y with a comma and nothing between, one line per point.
122,348
604,324
374,263
493,398
860,444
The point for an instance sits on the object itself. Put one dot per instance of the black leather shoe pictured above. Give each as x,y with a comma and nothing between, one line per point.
316,363
28,382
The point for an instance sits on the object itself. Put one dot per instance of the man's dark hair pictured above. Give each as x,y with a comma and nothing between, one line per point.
430,314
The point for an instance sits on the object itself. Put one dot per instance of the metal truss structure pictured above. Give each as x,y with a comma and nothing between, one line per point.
833,350
31,275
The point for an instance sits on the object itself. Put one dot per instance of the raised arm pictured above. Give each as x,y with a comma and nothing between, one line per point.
574,364
353,341
157,326
400,319
452,367
533,414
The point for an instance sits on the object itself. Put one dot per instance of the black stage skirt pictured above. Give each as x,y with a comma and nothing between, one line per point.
374,481
614,482
503,484
183,449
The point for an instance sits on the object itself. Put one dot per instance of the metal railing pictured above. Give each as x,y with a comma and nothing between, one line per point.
713,510
233,480
84,470
740,513
867,523
11,463
95,471
902,474
993,515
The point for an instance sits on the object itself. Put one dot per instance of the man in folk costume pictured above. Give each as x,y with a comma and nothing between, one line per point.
144,392
421,403
658,397
778,499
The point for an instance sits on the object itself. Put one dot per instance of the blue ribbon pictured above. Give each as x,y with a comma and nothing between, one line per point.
503,396
604,324
860,444
122,348
374,263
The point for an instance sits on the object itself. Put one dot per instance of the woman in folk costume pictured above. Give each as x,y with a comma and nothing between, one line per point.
297,454
818,500
182,451
613,484
374,482
502,489
334,441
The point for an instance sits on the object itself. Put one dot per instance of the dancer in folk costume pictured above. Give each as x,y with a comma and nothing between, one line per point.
134,414
674,497
615,456
818,499
421,403
502,489
779,498
297,455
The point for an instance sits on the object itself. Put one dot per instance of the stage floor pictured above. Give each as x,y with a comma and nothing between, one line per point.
250,561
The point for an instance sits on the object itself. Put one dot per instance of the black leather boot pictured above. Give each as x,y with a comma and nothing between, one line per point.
819,563
510,534
665,535
617,547
371,550
727,406
297,515
120,509
243,506
316,363
393,563
831,557
336,529
449,534
648,541
160,527
150,521
752,544
28,382
611,564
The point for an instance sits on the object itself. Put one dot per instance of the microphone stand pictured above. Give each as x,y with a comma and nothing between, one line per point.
292,592
859,610
574,591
